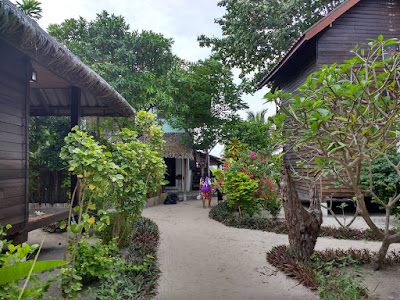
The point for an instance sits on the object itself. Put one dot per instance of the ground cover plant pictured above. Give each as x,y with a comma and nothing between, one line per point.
137,279
226,215
325,271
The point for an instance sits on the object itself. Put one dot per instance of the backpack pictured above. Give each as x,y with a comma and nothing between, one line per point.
205,185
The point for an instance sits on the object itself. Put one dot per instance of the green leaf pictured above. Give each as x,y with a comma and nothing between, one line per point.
21,269
314,126
75,228
63,225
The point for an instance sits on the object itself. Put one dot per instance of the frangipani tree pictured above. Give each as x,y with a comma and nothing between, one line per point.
345,117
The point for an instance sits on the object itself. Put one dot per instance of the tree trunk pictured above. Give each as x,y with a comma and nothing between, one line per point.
208,163
303,225
379,257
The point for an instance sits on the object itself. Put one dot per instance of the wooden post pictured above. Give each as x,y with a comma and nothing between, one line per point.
75,121
184,178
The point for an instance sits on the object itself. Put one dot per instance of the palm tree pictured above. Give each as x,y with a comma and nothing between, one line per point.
31,8
258,117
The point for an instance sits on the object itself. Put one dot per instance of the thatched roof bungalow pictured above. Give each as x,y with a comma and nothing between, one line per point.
39,76
175,148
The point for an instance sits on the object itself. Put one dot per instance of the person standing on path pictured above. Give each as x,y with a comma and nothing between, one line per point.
205,189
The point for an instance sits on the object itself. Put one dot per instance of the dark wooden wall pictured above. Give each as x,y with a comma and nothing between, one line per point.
366,20
13,138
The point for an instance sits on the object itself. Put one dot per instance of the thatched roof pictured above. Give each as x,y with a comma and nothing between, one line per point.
175,148
57,70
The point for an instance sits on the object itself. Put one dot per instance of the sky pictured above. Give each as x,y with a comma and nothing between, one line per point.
181,20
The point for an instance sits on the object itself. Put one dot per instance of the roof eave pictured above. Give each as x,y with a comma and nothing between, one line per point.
306,36
27,36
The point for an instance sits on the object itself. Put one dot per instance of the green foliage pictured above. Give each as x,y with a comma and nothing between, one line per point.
140,281
250,180
141,162
14,268
206,99
258,117
240,190
95,260
96,175
346,117
253,136
224,214
46,174
257,33
125,231
70,283
386,181
31,8
123,176
137,64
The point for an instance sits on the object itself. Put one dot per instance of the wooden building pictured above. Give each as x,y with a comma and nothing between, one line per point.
38,77
177,156
329,41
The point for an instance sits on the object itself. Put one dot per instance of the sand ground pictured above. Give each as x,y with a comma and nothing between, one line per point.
204,259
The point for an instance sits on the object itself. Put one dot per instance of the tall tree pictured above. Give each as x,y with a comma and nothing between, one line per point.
206,99
136,64
31,8
256,33
254,136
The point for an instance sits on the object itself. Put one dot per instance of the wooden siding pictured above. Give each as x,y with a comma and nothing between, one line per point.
295,73
303,186
366,20
13,138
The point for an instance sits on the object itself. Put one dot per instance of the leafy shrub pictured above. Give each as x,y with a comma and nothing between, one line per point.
240,190
95,260
126,226
249,181
16,270
138,280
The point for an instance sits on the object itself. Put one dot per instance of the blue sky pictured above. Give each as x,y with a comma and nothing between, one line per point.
181,20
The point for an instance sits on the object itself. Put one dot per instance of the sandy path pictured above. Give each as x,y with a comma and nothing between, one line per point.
203,259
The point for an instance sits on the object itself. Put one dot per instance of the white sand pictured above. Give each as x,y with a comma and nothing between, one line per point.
203,259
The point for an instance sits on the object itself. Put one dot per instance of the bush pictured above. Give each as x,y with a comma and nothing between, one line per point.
95,260
126,229
240,190
249,181
138,280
